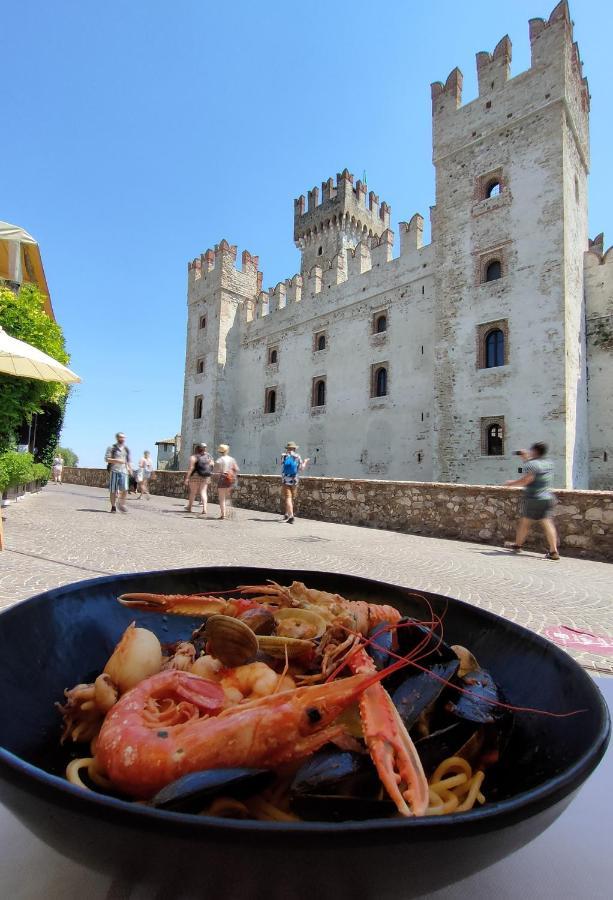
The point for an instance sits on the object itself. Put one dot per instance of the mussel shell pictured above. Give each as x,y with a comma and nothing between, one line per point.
383,637
411,634
259,619
191,792
444,743
336,772
230,641
336,786
476,705
418,693
339,808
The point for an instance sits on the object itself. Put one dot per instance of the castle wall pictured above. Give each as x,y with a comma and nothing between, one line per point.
527,135
599,297
221,294
515,133
483,514
354,433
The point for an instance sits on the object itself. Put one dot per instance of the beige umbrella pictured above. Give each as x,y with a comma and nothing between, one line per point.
24,361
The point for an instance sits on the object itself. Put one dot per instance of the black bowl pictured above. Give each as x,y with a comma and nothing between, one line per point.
64,636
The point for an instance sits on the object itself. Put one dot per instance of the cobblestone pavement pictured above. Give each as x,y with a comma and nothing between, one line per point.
65,533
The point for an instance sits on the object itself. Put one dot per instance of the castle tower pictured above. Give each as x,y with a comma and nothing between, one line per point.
510,231
343,217
219,297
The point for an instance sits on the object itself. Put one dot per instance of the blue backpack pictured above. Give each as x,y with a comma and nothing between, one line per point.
291,464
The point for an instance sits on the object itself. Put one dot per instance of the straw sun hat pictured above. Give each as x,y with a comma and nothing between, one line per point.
291,446
223,449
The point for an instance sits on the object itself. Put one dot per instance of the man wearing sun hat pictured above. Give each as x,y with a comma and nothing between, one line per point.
291,464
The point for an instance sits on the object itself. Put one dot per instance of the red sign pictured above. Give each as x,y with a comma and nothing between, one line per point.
573,639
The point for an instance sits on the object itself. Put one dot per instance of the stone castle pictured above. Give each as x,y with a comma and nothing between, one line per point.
439,362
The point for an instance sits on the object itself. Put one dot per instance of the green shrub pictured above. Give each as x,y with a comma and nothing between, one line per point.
40,472
20,468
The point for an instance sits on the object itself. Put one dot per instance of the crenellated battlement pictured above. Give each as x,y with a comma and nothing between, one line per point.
493,69
596,255
342,206
369,254
221,262
547,38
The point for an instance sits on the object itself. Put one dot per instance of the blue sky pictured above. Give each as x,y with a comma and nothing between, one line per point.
136,135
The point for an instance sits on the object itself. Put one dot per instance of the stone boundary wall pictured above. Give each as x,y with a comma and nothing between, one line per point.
484,514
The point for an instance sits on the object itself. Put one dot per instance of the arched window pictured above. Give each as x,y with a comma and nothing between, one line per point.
202,322
380,324
381,382
321,342
272,358
494,349
320,251
494,440
271,401
319,393
493,271
493,189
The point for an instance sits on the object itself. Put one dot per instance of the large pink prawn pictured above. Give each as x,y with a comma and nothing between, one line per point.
174,723
388,741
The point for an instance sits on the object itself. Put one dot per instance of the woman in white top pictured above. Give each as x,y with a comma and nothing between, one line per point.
143,476
226,470
56,468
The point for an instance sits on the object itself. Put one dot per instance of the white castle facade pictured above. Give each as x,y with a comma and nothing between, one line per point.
434,364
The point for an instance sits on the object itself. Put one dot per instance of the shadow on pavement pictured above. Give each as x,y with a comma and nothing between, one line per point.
281,521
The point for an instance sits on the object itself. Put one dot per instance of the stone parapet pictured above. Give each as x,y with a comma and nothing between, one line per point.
482,514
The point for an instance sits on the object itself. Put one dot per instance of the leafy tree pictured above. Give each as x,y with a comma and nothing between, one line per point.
69,456
22,315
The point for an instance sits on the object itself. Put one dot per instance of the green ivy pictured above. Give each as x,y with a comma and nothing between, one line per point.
23,316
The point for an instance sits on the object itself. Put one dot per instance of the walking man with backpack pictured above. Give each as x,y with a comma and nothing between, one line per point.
291,465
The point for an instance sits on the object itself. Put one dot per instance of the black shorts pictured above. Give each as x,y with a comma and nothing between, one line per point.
536,509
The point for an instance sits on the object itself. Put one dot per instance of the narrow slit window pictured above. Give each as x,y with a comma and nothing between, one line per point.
321,342
380,324
319,392
494,349
381,382
198,407
493,270
494,440
199,366
202,322
273,357
271,401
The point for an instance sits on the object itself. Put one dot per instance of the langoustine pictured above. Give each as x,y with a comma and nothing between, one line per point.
175,723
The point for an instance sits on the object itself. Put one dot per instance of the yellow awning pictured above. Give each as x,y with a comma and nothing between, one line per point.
21,262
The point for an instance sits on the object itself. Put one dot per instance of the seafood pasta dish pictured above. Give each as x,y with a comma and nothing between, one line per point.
285,704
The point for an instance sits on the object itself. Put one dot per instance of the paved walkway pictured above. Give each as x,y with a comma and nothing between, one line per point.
65,534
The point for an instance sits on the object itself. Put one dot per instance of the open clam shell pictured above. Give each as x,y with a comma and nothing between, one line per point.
230,641
304,624
279,647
